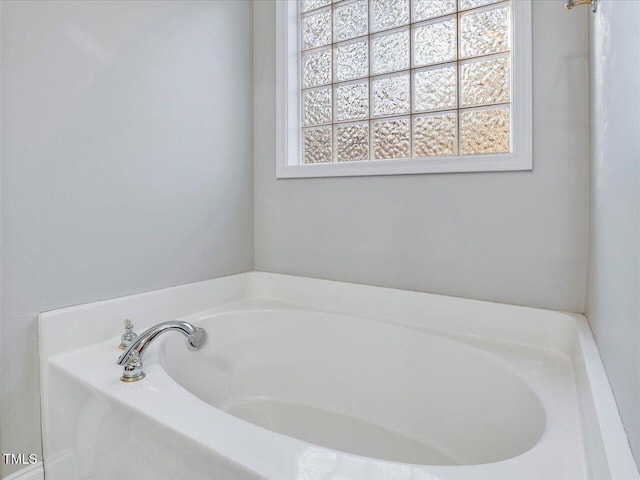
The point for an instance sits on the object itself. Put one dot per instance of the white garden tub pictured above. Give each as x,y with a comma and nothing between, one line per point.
310,379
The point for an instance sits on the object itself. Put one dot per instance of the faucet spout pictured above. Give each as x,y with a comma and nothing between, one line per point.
132,357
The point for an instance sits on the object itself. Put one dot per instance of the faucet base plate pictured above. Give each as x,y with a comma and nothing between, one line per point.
133,379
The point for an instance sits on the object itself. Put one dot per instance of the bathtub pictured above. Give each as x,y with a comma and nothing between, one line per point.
311,379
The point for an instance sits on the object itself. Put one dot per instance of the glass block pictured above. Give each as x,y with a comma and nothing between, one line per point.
434,88
352,142
467,4
484,81
391,138
387,14
426,9
351,19
484,130
316,68
435,134
390,52
313,4
351,60
316,106
484,31
352,101
434,42
316,29
316,145
390,95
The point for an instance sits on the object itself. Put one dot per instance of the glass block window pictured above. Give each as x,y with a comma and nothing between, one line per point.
404,79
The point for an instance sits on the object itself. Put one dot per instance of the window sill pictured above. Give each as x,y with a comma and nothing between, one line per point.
407,166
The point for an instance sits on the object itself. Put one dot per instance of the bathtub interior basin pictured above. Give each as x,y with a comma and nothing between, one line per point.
361,386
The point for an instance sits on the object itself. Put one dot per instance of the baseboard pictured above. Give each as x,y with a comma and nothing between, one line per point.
32,472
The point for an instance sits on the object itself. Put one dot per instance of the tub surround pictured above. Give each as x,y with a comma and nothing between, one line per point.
165,419
32,472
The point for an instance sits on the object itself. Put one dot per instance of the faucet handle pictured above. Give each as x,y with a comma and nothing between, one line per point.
128,336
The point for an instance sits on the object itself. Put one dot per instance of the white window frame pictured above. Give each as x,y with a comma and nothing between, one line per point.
288,151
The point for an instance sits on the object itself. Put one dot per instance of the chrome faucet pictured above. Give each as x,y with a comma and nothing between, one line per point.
132,357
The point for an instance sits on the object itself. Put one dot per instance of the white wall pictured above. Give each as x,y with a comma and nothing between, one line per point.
126,163
613,296
511,237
